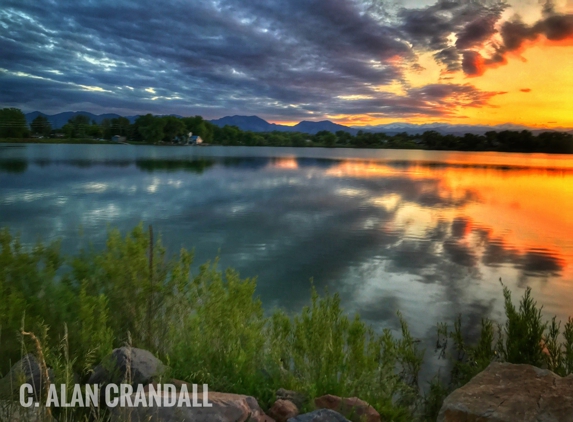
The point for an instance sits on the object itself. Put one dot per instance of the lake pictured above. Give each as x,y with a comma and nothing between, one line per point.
425,232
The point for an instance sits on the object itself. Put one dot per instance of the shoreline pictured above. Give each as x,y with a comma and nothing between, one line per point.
135,143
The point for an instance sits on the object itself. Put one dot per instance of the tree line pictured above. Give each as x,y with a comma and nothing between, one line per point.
170,129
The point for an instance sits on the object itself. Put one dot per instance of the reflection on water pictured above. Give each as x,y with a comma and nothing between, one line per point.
427,233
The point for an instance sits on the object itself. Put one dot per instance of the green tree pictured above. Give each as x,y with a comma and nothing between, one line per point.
150,127
200,127
13,123
325,138
173,128
95,130
41,126
119,126
79,126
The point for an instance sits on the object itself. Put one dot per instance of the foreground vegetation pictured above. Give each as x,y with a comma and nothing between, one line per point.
152,129
210,327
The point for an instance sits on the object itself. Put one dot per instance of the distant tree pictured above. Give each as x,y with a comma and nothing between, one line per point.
173,127
80,125
343,137
150,127
119,126
13,123
298,139
106,128
325,137
200,127
41,126
95,130
68,130
560,142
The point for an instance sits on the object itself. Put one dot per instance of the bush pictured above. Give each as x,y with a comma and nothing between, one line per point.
211,328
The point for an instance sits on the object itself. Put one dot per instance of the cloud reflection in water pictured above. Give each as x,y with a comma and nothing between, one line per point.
430,238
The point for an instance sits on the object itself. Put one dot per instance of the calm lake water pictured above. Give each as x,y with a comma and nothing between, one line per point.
427,233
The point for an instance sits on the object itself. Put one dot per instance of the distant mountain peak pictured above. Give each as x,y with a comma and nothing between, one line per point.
257,124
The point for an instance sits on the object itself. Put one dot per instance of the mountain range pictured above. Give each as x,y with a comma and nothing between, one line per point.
59,120
256,124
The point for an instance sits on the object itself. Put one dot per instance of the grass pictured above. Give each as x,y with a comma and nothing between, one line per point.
210,327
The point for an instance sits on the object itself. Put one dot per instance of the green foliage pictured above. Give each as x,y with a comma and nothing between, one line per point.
150,127
222,335
13,123
41,126
211,328
524,338
77,127
27,279
523,331
171,129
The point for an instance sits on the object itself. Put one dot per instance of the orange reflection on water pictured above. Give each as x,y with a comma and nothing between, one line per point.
529,207
284,163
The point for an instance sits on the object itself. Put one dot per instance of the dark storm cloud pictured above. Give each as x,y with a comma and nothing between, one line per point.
267,55
515,33
450,57
456,31
279,58
473,63
477,32
452,28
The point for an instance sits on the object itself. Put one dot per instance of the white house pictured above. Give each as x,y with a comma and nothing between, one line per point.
194,140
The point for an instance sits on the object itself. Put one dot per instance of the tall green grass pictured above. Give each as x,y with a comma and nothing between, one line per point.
210,327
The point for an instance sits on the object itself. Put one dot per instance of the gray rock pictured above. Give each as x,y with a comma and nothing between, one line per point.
505,392
322,415
143,368
28,371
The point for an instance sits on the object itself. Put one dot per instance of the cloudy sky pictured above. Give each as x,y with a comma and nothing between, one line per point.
356,62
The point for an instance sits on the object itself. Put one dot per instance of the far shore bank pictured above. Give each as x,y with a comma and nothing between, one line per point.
74,141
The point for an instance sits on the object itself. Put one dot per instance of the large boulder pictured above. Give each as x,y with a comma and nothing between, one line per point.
283,410
128,365
352,407
321,415
505,392
226,408
26,371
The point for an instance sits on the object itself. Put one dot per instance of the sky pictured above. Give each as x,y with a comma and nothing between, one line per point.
355,62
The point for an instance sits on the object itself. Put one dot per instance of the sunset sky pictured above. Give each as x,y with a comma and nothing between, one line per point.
355,62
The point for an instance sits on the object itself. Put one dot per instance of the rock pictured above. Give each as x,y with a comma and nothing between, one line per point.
353,408
321,415
505,392
144,368
283,410
27,370
226,408
298,399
